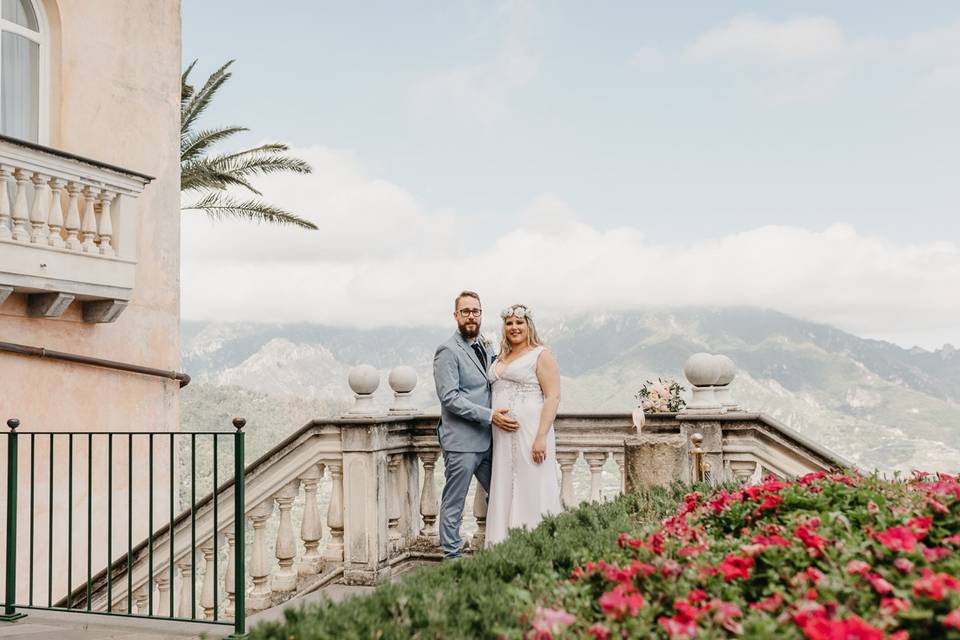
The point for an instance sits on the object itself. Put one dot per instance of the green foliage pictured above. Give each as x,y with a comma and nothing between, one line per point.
211,175
483,596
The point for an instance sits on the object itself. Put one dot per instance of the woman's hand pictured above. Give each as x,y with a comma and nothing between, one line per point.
539,449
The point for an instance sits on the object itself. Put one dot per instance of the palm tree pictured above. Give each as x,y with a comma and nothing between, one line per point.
210,175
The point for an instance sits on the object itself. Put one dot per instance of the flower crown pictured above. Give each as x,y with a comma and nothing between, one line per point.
518,310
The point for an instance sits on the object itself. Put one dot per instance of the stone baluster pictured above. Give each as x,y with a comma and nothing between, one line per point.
595,460
567,459
185,564
105,229
21,227
141,599
311,529
230,578
40,211
206,589
163,593
89,226
120,606
5,179
742,470
259,596
480,512
334,550
393,502
620,458
285,579
73,216
428,498
55,217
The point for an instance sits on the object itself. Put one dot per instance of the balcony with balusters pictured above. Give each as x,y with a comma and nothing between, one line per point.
68,231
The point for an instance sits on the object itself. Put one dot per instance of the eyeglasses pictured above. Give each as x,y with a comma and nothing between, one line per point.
466,313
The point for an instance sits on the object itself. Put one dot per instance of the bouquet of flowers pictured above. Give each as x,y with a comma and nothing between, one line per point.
661,396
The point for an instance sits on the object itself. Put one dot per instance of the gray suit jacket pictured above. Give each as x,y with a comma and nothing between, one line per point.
464,393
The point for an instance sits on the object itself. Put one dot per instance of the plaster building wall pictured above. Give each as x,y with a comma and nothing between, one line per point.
114,87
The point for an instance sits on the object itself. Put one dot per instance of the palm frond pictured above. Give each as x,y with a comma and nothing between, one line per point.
200,176
221,205
186,89
253,164
193,143
199,101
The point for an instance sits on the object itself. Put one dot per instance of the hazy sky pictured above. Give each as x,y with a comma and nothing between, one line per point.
589,156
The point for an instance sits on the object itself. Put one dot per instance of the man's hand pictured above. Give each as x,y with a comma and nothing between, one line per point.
504,421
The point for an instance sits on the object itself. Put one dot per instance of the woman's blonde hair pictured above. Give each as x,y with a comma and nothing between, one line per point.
522,312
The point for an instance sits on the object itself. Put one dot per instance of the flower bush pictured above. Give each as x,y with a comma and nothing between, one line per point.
660,396
825,557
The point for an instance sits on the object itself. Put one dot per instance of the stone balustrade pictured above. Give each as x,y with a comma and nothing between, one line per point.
68,231
352,499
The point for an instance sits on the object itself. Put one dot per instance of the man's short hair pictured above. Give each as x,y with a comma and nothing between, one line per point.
465,294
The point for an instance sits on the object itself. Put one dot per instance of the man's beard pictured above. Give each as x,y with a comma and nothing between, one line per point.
470,332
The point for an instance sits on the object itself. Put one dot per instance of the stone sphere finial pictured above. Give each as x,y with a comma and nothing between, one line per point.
728,370
402,380
363,380
702,370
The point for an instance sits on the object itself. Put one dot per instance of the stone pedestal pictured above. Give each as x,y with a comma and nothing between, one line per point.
655,461
366,497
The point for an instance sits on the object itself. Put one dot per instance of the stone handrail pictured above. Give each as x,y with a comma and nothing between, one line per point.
68,230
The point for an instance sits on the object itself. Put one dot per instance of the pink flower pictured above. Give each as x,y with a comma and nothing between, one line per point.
903,565
879,585
725,614
547,622
619,602
598,631
769,604
935,554
857,567
893,606
952,619
679,626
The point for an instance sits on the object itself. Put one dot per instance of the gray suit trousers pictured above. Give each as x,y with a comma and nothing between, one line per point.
460,467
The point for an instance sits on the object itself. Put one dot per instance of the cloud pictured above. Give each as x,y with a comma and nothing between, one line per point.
754,39
936,51
382,258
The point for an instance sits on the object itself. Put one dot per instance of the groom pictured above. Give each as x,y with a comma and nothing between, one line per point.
460,374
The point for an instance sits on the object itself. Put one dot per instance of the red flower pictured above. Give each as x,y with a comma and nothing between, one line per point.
952,619
934,585
893,606
852,628
807,535
734,566
898,539
769,604
625,540
857,567
812,477
815,575
697,595
954,539
773,540
619,602
920,526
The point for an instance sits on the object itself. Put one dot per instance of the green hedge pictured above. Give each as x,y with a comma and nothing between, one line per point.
486,595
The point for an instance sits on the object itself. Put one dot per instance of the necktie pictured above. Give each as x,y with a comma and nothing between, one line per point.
478,349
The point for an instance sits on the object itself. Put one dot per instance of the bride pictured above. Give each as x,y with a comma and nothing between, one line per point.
526,381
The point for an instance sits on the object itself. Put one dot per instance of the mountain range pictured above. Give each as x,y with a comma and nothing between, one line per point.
875,403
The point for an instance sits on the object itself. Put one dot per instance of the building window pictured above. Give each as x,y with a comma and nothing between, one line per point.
21,52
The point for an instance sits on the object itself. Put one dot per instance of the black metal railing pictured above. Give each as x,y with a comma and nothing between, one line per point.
154,457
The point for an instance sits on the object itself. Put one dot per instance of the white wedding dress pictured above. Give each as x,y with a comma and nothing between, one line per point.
522,492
